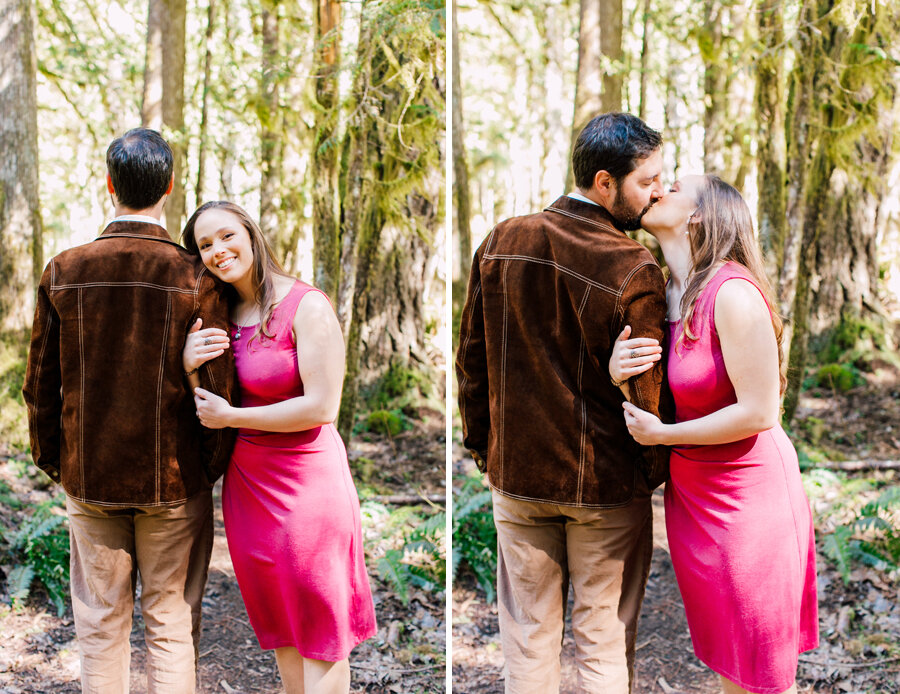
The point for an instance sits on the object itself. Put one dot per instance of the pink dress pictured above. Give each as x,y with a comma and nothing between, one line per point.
292,513
739,525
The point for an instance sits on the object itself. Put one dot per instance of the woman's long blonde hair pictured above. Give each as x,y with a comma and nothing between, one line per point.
265,265
721,229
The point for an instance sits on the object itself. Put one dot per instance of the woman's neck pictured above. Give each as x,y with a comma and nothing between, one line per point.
676,249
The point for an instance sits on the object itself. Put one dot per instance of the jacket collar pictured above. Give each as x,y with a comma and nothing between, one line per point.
133,229
595,215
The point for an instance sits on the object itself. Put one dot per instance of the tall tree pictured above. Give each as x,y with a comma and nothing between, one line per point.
163,99
771,147
461,210
269,113
854,99
202,150
598,85
21,258
326,148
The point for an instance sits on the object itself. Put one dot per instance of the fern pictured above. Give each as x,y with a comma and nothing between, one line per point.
40,552
19,583
871,539
474,535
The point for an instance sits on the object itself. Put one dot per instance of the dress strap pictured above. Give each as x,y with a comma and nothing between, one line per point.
283,315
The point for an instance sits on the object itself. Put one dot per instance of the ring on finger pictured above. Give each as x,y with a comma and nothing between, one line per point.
207,341
634,354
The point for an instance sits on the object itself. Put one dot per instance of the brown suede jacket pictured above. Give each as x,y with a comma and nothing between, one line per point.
548,295
109,410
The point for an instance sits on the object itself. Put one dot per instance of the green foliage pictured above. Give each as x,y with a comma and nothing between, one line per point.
416,558
13,418
840,377
872,538
474,534
389,422
39,550
393,400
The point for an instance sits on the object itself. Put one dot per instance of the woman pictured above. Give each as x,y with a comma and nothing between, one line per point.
291,510
738,522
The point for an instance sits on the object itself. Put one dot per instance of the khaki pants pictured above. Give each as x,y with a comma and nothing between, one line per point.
170,547
606,555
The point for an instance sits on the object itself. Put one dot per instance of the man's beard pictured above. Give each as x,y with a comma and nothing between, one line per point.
625,216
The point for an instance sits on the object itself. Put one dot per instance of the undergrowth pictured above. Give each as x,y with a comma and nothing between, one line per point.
38,552
413,542
474,534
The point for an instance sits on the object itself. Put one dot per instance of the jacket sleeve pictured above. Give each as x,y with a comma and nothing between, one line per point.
217,376
471,371
643,307
42,390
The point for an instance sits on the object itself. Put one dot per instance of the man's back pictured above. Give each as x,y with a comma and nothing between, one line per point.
112,319
554,289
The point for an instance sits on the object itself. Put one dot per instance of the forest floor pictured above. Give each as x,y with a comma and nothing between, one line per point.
859,621
39,652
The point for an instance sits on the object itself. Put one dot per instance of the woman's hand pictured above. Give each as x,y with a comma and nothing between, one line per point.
214,412
645,428
203,345
632,357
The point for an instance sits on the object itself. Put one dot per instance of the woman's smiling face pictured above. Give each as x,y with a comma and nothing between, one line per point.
224,245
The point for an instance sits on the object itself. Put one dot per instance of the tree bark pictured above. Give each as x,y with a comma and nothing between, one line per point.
204,110
857,95
589,78
326,148
772,150
163,102
21,256
271,134
461,210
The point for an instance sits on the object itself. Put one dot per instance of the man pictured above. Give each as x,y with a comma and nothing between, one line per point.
112,419
548,294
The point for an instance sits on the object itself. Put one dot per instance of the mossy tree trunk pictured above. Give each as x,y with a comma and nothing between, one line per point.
771,180
837,272
163,103
21,257
461,208
271,133
325,168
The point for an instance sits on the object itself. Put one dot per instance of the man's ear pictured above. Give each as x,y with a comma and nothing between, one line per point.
604,187
109,185
171,184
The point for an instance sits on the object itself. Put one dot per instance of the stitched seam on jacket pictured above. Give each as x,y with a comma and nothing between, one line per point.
81,396
159,387
81,285
553,263
37,374
566,213
503,366
463,350
581,350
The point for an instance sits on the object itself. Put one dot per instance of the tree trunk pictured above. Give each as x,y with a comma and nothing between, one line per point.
771,147
838,271
461,210
645,59
271,133
163,102
21,256
326,148
589,78
611,48
204,110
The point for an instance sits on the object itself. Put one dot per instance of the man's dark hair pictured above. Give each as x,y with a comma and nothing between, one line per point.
140,166
614,142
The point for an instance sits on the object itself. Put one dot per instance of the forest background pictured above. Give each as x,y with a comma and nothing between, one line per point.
796,103
325,121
